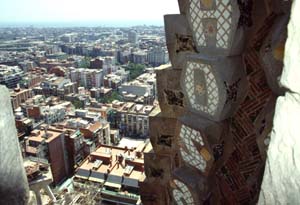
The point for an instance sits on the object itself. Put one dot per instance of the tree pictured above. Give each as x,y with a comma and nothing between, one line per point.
85,63
78,104
114,96
135,70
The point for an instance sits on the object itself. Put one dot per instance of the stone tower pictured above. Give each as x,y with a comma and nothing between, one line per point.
217,102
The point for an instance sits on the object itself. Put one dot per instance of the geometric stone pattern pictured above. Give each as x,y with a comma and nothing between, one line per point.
237,174
211,87
241,174
225,79
201,143
199,11
189,137
182,193
216,25
186,191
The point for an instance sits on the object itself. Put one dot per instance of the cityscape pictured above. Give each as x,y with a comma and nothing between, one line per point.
82,98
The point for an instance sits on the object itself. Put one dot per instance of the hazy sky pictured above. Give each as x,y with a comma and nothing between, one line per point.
16,11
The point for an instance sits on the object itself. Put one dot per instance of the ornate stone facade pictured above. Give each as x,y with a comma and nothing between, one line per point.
217,102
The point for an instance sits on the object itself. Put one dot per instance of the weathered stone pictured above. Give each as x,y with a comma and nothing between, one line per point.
277,6
162,134
282,172
263,18
282,6
214,87
159,166
154,193
171,98
272,53
223,82
179,39
13,181
263,126
280,183
189,187
217,30
202,142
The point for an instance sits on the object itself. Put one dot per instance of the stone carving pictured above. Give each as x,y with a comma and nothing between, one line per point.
232,91
162,136
218,150
245,9
215,26
174,97
184,43
179,39
197,137
224,103
154,195
170,96
203,84
158,167
187,191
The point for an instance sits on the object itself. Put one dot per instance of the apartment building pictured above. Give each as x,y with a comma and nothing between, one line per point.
19,96
116,172
87,78
10,76
49,144
130,118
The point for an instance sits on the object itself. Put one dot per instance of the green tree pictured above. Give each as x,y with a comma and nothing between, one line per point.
78,104
85,63
114,96
135,70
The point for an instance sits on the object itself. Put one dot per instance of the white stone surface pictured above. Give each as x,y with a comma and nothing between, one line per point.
281,183
13,181
291,74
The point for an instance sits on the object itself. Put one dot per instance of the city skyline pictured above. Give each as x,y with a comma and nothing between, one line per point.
88,13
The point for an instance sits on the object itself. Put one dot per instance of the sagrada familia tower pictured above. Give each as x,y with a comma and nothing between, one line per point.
217,102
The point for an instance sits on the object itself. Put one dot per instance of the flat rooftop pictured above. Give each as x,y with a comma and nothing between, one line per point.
43,135
115,165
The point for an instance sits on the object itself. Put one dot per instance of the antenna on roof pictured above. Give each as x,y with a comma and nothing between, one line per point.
46,130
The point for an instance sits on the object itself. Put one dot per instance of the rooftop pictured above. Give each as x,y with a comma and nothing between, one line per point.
116,163
43,135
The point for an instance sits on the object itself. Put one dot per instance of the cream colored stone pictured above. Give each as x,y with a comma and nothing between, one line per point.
291,72
281,183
